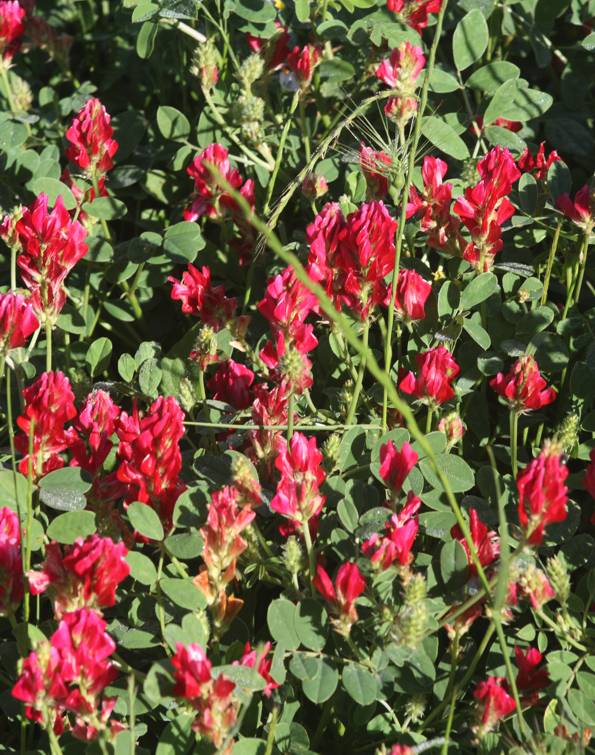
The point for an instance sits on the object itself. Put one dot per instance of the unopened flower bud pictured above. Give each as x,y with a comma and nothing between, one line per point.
557,572
206,64
187,394
410,626
22,95
331,449
245,480
454,429
415,708
567,433
293,555
416,590
251,70
205,347
314,186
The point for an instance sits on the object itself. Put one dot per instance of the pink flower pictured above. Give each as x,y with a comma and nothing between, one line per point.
95,424
497,702
209,198
212,698
68,673
49,405
201,298
485,541
84,575
300,463
442,228
436,371
12,26
349,585
302,62
314,186
485,207
257,659
454,429
275,48
411,295
414,12
397,542
231,383
269,408
50,244
530,679
395,465
579,210
537,164
149,454
17,321
11,565
523,386
92,146
376,167
542,494
401,70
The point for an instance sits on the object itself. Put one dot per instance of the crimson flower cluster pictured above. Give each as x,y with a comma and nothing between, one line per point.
400,72
523,386
543,494
11,580
12,26
341,595
17,321
436,369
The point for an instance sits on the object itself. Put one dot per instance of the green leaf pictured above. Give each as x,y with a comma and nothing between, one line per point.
145,41
11,494
183,592
322,685
311,624
172,123
348,514
489,77
473,326
247,678
98,355
470,39
444,137
64,489
249,746
504,137
142,569
185,545
453,564
149,377
282,617
480,289
459,473
105,208
183,241
66,528
54,189
302,11
145,520
516,102
177,737
256,11
126,367
360,684
442,82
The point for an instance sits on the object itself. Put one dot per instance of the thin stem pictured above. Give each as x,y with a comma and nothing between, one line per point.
404,198
550,263
290,415
132,713
185,29
583,255
311,554
48,345
272,728
29,519
429,417
514,431
13,267
280,148
360,375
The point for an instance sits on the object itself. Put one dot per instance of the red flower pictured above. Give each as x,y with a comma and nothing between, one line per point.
212,699
324,236
485,207
376,168
231,383
590,475
12,26
50,245
302,62
530,679
497,702
579,210
300,463
68,674
411,295
523,386
414,12
49,405
537,164
95,424
223,543
17,321
442,228
542,494
395,465
85,575
276,48
502,122
150,456
11,565
401,70
253,658
269,408
209,198
200,298
396,544
349,585
91,137
486,541
436,371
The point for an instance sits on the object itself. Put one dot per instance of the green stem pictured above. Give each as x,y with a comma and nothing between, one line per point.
48,345
311,554
284,134
272,728
360,375
13,267
514,431
583,256
429,417
404,198
290,415
29,519
550,263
